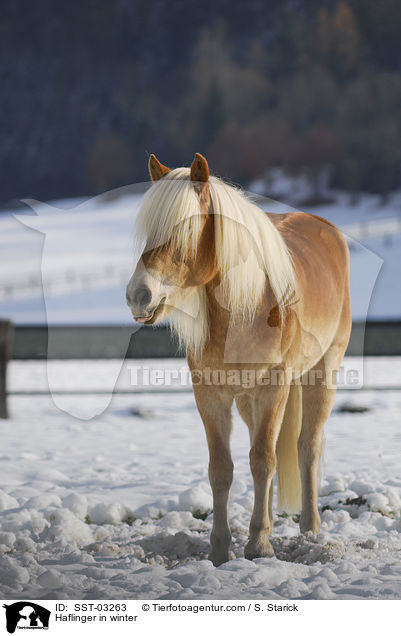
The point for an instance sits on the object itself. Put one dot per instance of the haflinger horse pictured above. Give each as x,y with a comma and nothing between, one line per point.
250,295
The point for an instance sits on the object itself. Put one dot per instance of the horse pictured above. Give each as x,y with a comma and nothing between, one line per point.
252,295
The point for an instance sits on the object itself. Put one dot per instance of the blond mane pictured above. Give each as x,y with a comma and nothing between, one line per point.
249,248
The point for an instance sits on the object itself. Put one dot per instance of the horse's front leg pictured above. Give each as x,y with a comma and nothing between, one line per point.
269,406
215,409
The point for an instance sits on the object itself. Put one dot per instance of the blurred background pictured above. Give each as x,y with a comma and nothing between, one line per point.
297,101
90,88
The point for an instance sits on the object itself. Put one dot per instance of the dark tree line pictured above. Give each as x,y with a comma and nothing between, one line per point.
89,88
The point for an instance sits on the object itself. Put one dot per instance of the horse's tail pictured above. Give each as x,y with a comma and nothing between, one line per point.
288,476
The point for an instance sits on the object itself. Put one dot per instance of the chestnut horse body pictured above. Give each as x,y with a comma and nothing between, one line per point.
255,297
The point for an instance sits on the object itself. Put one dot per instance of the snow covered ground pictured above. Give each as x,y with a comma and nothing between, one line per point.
119,506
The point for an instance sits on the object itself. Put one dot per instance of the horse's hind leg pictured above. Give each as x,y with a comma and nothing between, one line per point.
215,409
317,404
318,394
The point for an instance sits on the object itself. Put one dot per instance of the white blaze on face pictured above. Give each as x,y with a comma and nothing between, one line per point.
174,297
143,278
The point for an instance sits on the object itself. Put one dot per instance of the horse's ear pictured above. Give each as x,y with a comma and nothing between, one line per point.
199,169
156,169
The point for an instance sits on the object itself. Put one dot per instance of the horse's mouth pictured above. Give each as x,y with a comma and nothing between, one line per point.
153,316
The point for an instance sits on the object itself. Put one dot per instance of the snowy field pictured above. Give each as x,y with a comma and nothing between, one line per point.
119,506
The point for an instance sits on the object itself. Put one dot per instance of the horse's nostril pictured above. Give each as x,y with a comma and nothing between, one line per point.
142,296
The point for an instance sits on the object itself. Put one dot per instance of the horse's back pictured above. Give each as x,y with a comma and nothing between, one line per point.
321,261
318,249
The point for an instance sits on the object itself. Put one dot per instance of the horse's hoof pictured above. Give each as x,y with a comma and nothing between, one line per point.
218,558
309,525
258,548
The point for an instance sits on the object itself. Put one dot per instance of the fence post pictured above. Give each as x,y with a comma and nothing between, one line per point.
6,339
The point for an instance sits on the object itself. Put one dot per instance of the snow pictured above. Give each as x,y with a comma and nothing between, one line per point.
119,506
107,496
69,262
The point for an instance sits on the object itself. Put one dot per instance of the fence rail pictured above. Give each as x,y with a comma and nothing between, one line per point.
68,281
169,391
373,228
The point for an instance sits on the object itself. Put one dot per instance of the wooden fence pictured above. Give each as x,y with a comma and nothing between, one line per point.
6,337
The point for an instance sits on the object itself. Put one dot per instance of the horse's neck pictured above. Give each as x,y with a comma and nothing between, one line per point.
233,341
218,313
218,304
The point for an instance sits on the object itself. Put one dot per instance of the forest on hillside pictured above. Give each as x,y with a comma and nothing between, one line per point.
90,88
